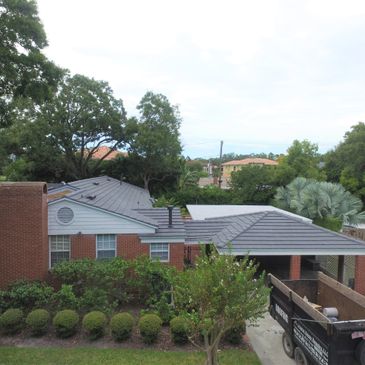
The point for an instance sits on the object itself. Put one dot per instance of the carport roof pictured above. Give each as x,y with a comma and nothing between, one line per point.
270,233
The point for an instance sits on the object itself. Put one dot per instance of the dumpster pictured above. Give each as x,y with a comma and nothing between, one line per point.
323,320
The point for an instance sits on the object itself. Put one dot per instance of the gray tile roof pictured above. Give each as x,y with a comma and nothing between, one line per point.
273,233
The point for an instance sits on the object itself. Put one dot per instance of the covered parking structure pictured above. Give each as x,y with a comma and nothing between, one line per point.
274,233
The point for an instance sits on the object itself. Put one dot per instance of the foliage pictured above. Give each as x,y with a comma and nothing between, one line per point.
94,324
26,294
318,200
149,327
65,298
154,151
121,326
346,163
253,184
219,293
180,328
12,321
68,129
164,309
38,321
151,279
108,276
96,299
24,70
234,334
303,158
65,323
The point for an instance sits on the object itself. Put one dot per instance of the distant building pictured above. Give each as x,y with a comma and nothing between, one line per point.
236,165
101,151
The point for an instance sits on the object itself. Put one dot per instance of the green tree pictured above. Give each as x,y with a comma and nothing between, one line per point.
155,149
218,294
320,201
303,158
66,131
24,70
346,163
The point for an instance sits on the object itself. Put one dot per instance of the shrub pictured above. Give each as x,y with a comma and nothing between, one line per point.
94,324
180,328
26,295
234,334
66,298
38,321
95,299
164,310
12,321
65,323
149,327
121,326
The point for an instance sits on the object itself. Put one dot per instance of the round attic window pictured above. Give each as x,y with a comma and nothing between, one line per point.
65,215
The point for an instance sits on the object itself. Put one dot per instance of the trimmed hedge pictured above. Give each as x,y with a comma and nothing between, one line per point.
65,323
94,324
12,321
149,327
234,335
38,321
180,328
121,326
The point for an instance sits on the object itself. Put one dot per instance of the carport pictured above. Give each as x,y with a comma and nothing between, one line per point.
275,233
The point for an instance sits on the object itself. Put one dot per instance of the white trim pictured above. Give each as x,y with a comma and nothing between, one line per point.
106,234
168,252
161,240
101,210
298,252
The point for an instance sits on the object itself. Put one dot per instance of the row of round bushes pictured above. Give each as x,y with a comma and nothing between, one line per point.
94,324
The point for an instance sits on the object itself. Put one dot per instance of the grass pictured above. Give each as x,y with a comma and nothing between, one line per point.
93,356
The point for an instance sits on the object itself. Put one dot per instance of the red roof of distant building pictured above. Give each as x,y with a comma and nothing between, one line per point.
251,161
103,150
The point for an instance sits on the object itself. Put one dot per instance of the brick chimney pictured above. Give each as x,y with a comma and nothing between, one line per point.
23,231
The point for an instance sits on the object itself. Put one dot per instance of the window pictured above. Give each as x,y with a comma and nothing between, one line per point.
159,251
65,215
105,246
59,248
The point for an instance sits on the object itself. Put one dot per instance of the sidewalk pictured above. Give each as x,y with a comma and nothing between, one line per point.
266,341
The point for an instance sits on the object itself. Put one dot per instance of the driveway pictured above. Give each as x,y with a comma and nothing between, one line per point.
266,341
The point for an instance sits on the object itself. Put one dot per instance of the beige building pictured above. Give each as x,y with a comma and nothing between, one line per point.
236,165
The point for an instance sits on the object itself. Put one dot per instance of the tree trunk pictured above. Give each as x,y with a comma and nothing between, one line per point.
212,356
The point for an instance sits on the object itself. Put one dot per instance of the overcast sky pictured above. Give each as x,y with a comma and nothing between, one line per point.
255,74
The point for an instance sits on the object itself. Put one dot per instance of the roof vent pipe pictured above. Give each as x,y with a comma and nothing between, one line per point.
170,208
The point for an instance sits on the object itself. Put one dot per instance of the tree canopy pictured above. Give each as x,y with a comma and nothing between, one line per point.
155,149
24,70
66,131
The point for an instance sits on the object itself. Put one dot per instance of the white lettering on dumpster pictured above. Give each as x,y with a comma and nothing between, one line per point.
281,313
311,344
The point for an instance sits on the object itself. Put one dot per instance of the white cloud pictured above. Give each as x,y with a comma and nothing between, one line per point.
256,74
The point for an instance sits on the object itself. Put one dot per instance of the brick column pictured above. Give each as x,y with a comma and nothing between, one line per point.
360,274
295,267
83,246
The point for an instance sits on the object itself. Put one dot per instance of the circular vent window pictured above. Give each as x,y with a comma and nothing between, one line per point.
65,215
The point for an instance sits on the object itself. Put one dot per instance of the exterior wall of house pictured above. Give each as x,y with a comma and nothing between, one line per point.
128,246
89,220
23,232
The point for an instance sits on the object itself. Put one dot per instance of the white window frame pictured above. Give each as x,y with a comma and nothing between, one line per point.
58,250
158,259
96,245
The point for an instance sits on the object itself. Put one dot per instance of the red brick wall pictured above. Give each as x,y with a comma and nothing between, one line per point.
129,246
295,267
83,246
177,255
23,231
360,274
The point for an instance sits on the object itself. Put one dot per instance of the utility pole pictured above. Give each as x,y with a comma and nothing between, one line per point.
220,166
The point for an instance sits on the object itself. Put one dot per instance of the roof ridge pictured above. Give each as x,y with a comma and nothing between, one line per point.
262,215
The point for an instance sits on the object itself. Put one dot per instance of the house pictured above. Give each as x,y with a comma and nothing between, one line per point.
110,154
236,165
101,218
94,218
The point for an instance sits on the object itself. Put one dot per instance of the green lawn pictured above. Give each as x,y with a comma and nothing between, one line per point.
93,356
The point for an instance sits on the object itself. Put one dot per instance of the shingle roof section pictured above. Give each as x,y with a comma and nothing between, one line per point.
270,233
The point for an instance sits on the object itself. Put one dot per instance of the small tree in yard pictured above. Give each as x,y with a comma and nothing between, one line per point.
219,293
